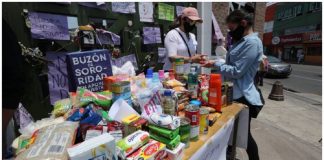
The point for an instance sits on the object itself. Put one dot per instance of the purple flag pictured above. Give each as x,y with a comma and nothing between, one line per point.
151,35
57,76
217,32
49,26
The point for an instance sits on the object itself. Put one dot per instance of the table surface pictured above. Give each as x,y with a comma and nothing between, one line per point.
227,113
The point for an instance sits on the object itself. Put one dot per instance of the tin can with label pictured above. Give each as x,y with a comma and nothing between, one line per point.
229,93
184,131
192,112
120,87
204,121
194,133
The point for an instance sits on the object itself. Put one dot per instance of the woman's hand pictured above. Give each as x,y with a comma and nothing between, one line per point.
209,64
197,58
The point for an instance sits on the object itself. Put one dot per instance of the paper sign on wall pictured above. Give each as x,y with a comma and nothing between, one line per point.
86,69
58,82
97,5
123,7
119,62
166,12
162,55
151,35
145,11
48,26
179,10
106,37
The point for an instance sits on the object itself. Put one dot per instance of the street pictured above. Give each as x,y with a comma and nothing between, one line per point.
303,79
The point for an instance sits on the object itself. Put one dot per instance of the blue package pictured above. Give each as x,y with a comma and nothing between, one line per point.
79,114
91,118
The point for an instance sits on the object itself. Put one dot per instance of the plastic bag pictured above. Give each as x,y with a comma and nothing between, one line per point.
61,107
85,97
127,68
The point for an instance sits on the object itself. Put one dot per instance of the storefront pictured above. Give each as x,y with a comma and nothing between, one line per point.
289,45
313,47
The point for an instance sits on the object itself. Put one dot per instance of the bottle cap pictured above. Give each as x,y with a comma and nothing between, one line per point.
167,93
193,69
156,76
161,73
195,102
149,73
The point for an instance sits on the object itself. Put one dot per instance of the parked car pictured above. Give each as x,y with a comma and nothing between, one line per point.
278,68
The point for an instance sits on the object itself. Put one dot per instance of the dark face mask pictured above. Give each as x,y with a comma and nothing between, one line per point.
237,34
187,27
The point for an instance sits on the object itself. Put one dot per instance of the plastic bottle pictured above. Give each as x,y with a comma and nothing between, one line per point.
215,92
149,76
161,75
193,83
169,103
155,83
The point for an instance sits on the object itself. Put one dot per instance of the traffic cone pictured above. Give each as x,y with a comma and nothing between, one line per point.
277,92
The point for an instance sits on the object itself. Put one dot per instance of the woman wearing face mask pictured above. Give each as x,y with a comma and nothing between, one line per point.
241,66
180,43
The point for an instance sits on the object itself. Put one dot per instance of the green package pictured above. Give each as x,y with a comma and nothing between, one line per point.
170,144
170,134
102,99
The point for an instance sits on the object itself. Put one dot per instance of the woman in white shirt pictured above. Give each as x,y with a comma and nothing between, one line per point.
180,43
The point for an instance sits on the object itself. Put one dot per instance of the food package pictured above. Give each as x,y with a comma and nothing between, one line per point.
170,144
85,97
153,150
131,118
170,134
138,124
177,153
129,144
203,89
85,116
51,142
33,126
100,147
165,121
92,130
61,107
173,83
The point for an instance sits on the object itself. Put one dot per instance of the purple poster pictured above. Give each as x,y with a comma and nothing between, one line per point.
57,76
49,26
106,37
119,62
151,35
86,69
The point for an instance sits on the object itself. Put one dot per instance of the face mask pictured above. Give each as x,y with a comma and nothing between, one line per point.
237,34
187,27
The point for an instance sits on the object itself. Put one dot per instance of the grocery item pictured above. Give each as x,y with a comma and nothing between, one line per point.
203,123
137,124
61,107
229,93
203,89
169,103
51,142
193,83
194,133
224,104
108,81
192,112
131,118
91,117
165,121
174,83
185,131
161,75
171,144
85,97
215,92
177,153
78,114
170,134
100,147
196,103
153,150
171,74
179,65
121,87
154,84
131,143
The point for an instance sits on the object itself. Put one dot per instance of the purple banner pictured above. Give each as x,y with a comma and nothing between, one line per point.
57,76
119,62
217,35
151,35
49,26
86,69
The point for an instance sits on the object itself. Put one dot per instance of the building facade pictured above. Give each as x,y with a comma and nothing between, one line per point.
296,26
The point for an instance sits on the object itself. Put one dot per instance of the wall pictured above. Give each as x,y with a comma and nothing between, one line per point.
259,18
221,10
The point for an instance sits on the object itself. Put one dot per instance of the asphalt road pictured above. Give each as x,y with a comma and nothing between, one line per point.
303,79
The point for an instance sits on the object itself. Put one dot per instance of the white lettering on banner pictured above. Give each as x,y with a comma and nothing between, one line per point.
296,39
215,148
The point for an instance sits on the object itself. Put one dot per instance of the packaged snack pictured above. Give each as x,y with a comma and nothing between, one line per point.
153,150
165,121
51,142
203,89
138,124
131,118
170,144
170,134
174,83
61,107
100,147
121,87
177,153
131,143
91,118
78,114
85,97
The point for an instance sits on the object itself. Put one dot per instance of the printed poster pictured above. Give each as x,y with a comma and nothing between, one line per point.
119,62
166,12
145,11
151,35
123,7
179,10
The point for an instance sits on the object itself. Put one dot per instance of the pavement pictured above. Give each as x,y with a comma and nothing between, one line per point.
289,129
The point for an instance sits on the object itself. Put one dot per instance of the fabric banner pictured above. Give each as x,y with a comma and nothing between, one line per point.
58,81
217,35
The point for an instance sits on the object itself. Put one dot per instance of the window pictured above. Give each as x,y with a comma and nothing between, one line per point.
314,51
314,6
298,10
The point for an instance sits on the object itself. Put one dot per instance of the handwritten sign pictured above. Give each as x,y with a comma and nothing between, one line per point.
106,37
122,60
151,35
58,81
123,7
162,55
166,12
179,10
145,11
87,69
49,26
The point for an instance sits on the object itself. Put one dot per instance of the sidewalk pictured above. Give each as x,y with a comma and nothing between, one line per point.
288,129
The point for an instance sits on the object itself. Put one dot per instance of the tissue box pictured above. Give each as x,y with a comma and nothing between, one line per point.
177,153
101,147
153,150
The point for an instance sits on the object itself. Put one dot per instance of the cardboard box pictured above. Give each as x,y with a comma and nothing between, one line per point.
177,153
153,150
101,147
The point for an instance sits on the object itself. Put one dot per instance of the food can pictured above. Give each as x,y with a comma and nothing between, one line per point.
196,103
204,121
229,93
120,87
194,133
108,81
184,131
192,112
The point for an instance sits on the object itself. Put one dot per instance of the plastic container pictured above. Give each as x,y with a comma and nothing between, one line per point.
179,65
196,103
161,75
154,83
149,73
169,103
193,83
215,92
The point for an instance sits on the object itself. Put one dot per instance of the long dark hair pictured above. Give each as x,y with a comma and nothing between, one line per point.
176,23
245,13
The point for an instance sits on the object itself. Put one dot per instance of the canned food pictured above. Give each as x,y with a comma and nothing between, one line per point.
184,131
192,112
229,93
194,133
204,121
120,87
